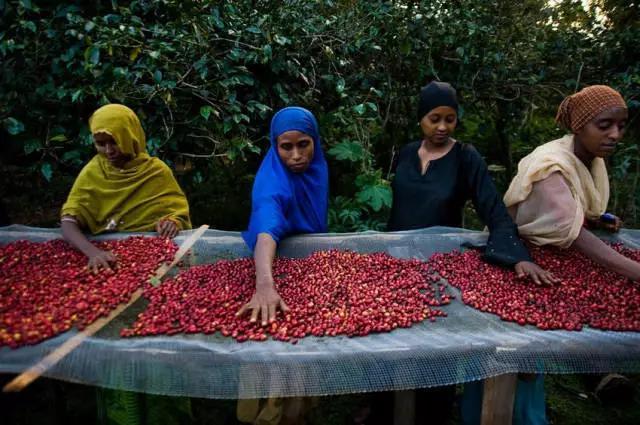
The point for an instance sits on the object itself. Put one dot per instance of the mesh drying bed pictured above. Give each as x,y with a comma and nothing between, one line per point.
467,345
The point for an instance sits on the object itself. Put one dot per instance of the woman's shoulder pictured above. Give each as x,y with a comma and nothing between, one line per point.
90,167
409,150
411,146
467,151
160,165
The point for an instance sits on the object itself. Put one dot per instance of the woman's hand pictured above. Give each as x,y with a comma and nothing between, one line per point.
100,258
536,273
264,302
167,228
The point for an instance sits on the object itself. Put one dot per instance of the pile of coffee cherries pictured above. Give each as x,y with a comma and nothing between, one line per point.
588,295
46,288
329,293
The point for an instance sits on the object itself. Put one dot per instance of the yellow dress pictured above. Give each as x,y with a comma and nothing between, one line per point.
133,198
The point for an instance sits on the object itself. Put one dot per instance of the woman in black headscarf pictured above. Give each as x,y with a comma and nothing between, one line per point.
434,178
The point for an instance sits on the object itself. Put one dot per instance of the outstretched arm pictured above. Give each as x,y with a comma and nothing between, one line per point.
266,299
97,257
594,248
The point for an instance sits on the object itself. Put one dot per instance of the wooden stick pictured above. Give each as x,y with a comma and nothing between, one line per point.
498,398
35,371
404,407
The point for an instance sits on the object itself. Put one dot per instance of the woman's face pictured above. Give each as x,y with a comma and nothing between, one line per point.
106,146
439,123
295,149
600,136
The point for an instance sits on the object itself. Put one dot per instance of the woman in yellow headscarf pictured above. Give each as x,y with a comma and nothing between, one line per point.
122,188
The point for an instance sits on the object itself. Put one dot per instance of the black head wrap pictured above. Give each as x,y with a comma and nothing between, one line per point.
436,94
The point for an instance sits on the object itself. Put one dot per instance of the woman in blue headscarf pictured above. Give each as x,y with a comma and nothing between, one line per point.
290,196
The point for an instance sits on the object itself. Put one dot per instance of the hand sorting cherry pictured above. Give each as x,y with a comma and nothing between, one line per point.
589,295
46,288
329,293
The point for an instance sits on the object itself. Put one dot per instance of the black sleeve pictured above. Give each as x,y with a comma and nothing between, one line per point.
504,246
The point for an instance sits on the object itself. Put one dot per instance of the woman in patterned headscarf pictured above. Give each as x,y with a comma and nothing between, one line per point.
562,187
122,188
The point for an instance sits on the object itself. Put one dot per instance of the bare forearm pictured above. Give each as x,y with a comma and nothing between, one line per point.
264,254
72,234
603,254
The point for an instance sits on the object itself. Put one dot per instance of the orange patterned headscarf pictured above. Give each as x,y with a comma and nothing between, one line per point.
580,108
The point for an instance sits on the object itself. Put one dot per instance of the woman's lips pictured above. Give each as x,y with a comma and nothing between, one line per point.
608,147
299,167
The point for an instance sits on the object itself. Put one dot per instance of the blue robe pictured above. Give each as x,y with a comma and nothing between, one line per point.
283,202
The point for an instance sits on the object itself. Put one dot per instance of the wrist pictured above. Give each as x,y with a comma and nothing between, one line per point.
90,251
264,282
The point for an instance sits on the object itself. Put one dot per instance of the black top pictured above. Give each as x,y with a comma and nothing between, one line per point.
437,198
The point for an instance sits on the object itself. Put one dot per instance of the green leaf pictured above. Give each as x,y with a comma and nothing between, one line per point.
205,112
360,109
92,54
375,196
154,281
157,76
267,52
89,26
31,146
58,138
153,145
154,54
254,30
74,156
13,126
281,40
46,171
76,95
347,151
26,4
29,25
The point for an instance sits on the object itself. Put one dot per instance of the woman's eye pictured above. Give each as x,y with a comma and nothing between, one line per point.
303,143
603,125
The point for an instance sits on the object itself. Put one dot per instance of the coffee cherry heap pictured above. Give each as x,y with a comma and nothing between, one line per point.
329,293
589,294
46,288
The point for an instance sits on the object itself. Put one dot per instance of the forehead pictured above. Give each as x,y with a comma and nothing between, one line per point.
103,138
442,110
612,114
293,136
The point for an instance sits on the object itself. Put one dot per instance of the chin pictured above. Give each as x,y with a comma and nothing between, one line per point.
298,170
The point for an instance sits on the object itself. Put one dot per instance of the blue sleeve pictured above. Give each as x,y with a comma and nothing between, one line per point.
268,215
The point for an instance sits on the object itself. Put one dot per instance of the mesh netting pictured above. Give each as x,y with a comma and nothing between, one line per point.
467,345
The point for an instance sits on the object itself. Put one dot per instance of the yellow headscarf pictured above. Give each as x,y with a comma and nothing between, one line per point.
133,198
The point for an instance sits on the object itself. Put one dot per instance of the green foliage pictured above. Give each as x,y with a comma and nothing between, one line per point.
206,76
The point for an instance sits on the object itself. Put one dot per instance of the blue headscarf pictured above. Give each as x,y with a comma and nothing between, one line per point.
284,202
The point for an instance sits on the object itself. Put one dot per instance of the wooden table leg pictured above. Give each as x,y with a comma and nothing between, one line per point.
404,407
497,401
